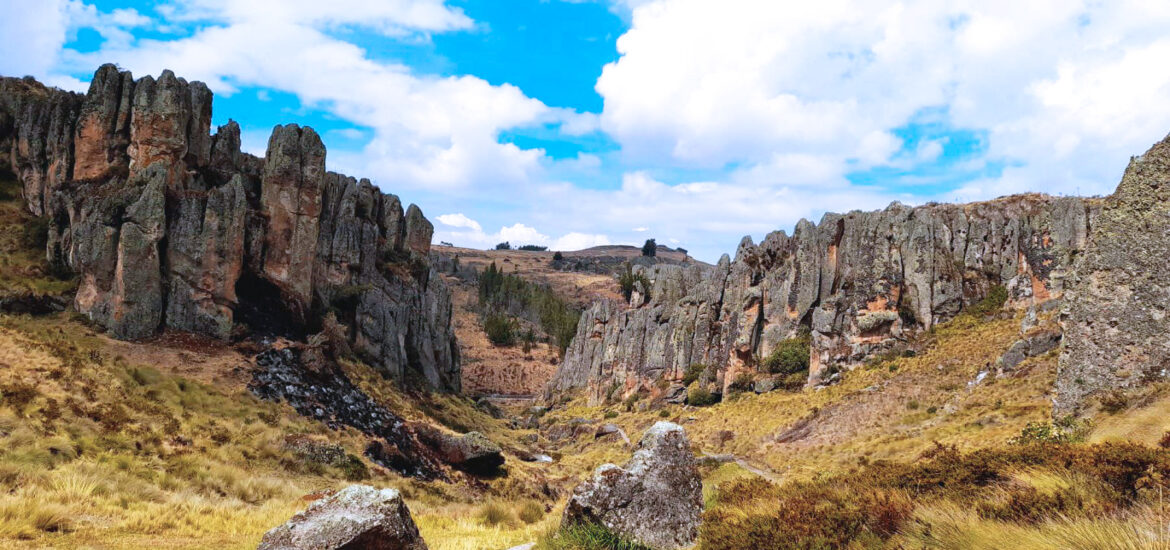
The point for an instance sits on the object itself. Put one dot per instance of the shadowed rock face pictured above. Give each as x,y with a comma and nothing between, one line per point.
358,516
1116,325
860,282
165,223
656,499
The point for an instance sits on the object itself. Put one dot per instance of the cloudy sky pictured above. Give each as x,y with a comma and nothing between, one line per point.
574,123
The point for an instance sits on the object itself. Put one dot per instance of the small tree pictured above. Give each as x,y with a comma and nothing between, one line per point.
557,256
500,329
650,249
504,246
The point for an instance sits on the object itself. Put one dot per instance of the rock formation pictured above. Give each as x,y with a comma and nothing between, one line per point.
1116,327
358,516
655,500
859,282
169,226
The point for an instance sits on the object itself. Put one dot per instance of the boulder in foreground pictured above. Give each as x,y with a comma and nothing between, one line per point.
656,499
358,516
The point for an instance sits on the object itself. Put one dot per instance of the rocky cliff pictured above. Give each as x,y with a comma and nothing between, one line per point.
169,226
1117,334
858,283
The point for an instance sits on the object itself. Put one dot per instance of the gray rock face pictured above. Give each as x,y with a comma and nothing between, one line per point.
1116,324
358,516
37,126
656,499
859,282
169,226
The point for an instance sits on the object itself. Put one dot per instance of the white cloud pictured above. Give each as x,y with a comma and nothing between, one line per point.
464,231
427,132
1066,89
459,220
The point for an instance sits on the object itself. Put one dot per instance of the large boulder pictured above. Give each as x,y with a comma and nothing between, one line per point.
471,452
656,499
358,516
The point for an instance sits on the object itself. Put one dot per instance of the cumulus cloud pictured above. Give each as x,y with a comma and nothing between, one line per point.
464,231
439,134
1067,90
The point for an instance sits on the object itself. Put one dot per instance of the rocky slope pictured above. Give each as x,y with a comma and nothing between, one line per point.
169,226
859,282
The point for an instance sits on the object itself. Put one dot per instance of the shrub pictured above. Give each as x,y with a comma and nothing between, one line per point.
699,396
354,469
629,280
500,329
530,512
650,248
557,256
1065,431
611,414
996,297
504,246
1165,441
790,356
753,513
663,413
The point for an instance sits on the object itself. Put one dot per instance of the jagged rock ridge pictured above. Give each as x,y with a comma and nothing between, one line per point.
170,226
859,282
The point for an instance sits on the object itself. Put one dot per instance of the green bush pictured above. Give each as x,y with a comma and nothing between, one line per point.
611,414
628,282
996,297
500,329
699,396
557,256
790,356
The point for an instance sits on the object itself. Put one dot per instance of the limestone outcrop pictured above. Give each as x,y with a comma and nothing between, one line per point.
1116,323
358,516
656,499
169,226
859,283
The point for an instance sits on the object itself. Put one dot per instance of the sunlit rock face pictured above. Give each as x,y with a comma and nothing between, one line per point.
859,283
169,226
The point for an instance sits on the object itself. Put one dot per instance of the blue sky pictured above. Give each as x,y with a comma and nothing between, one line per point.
575,123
